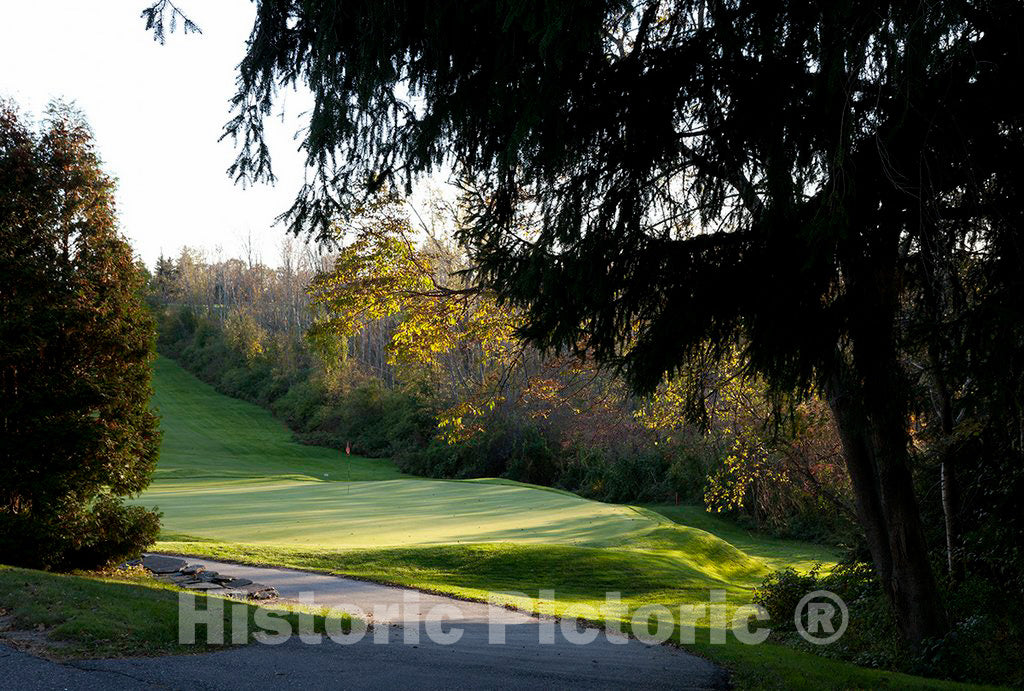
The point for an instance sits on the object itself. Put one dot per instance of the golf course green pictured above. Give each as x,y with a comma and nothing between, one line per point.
230,471
233,484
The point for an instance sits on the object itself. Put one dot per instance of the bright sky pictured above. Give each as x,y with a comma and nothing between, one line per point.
157,112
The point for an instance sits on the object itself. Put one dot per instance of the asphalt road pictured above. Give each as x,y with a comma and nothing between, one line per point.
398,652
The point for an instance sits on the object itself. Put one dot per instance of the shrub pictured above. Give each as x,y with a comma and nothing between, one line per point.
113,533
871,638
299,406
687,473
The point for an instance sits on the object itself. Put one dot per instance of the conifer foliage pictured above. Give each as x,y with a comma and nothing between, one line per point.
833,187
76,429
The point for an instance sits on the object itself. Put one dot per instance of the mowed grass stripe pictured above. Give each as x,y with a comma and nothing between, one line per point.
229,471
209,435
234,485
388,513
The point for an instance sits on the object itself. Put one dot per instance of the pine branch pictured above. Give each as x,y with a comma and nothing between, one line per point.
158,21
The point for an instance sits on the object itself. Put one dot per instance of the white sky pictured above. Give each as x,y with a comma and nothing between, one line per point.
157,112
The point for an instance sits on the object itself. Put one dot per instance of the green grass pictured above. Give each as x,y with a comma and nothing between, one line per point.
579,576
208,436
392,513
776,553
87,615
233,485
230,471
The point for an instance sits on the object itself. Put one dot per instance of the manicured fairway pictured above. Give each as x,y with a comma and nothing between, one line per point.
230,474
389,513
230,471
208,436
233,485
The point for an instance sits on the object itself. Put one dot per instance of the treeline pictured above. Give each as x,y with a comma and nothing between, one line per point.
385,347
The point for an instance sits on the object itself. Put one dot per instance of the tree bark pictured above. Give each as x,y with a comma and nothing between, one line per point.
947,471
875,447
951,513
850,423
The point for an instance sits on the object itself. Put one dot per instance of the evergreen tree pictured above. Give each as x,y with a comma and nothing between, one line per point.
164,278
655,182
76,343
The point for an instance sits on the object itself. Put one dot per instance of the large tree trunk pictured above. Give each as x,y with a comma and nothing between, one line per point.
874,438
869,396
850,423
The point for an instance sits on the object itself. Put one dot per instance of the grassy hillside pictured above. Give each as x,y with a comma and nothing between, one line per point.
228,470
209,436
233,485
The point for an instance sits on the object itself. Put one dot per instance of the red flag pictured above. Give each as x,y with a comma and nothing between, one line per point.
348,448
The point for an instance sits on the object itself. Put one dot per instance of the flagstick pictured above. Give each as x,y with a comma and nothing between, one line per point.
348,465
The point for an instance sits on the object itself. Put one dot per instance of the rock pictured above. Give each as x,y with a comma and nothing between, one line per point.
195,577
201,586
236,593
229,582
160,564
258,591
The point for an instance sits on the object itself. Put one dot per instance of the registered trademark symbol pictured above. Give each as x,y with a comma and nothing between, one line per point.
819,628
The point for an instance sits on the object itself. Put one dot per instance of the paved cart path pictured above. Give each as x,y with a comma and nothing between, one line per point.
471,662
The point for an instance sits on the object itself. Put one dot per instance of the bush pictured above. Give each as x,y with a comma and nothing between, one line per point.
378,422
72,537
983,644
526,452
781,591
438,459
114,533
521,453
871,638
299,406
616,475
530,456
688,472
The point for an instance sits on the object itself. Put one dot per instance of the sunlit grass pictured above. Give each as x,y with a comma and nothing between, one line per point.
515,574
209,436
233,485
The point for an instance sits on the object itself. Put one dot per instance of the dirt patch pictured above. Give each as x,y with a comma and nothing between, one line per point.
35,641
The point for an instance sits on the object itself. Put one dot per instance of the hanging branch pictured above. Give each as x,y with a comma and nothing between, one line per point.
156,20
